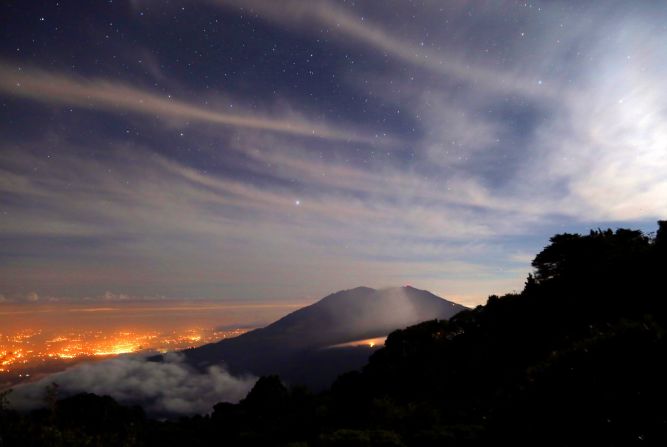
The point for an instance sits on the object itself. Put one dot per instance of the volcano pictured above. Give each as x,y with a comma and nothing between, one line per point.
304,347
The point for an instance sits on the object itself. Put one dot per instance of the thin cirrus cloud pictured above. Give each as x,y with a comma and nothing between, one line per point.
598,153
112,96
157,186
494,165
214,228
609,124
345,26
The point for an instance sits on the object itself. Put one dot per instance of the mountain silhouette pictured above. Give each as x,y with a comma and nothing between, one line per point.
300,346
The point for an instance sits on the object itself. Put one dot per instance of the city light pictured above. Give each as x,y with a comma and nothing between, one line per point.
28,351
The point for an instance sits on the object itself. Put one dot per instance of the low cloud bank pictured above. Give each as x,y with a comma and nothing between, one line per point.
167,388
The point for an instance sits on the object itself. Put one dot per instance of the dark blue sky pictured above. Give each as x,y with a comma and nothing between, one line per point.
261,149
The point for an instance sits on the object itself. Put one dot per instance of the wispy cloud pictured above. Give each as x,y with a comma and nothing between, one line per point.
113,96
491,163
357,28
221,229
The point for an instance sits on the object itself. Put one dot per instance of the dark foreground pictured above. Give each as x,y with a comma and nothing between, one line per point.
578,357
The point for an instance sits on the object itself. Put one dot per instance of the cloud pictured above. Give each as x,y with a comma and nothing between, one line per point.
343,24
167,388
601,155
112,96
36,299
110,296
219,230
592,152
589,148
180,197
490,162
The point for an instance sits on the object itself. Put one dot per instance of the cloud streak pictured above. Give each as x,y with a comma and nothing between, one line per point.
232,228
48,87
349,27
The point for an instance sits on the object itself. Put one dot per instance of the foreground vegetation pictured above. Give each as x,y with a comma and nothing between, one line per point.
578,357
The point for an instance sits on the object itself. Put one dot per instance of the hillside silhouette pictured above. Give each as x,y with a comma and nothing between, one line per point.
576,358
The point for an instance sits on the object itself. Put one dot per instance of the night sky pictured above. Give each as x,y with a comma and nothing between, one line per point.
288,149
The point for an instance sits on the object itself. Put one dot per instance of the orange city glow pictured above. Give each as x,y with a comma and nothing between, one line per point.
28,350
43,338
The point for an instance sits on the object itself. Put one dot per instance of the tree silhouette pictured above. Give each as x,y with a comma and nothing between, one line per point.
661,235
